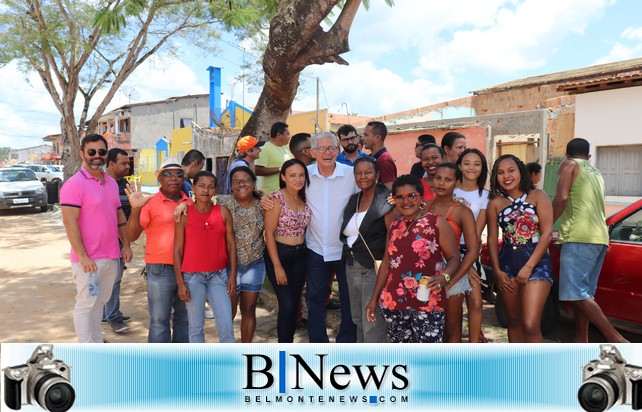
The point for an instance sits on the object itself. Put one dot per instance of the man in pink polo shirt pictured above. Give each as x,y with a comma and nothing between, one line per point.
155,215
94,220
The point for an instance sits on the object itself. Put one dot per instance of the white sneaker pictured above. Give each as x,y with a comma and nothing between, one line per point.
209,314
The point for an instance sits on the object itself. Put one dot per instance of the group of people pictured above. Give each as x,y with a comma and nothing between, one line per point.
305,210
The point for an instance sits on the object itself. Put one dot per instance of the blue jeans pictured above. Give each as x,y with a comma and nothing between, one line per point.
293,260
319,273
214,286
112,307
162,296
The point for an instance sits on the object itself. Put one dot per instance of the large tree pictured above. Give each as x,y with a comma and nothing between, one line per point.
83,46
296,40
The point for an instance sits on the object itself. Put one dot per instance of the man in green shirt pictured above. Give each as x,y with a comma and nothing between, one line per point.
584,239
274,153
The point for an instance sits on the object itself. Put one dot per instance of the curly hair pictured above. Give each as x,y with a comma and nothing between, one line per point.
525,183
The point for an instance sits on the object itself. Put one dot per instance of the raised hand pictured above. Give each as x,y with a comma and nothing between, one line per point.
135,195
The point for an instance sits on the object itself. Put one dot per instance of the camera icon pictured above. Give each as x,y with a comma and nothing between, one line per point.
610,381
43,380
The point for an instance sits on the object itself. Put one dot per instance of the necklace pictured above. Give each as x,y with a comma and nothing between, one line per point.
405,233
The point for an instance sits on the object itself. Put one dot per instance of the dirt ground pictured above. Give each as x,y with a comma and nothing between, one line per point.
38,291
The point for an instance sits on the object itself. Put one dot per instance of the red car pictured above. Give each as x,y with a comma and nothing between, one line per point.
619,290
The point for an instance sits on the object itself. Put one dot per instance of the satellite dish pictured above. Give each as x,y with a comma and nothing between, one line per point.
131,93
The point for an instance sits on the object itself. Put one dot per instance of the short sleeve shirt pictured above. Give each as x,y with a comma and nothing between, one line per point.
98,218
473,200
271,156
157,219
386,165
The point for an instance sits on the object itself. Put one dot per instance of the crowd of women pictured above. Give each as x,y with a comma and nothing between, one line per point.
411,253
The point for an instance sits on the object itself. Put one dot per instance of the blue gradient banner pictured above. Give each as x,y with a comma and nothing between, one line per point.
216,377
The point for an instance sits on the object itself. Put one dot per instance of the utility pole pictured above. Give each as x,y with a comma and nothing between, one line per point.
316,126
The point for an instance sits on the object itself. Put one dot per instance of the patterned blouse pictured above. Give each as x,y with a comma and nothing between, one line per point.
291,223
519,222
413,249
248,229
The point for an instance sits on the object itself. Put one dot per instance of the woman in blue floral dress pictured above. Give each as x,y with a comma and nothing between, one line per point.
416,242
522,267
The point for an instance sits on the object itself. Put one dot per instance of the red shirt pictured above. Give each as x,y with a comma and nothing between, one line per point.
386,166
157,219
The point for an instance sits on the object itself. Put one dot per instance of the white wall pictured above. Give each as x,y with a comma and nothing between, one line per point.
610,117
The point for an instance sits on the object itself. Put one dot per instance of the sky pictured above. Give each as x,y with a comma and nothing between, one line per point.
416,53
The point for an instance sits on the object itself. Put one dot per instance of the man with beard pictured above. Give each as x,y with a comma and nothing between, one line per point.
349,141
94,220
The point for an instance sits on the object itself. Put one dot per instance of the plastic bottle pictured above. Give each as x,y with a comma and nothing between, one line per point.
93,284
423,293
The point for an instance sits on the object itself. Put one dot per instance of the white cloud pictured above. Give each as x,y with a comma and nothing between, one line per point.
632,33
621,51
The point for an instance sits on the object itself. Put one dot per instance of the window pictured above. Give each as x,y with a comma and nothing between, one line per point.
620,166
629,230
186,122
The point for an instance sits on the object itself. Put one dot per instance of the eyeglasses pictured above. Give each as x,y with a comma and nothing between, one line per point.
349,139
240,182
92,152
170,174
326,149
408,196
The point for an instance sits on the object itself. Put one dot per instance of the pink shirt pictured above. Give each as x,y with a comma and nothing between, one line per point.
98,219
291,223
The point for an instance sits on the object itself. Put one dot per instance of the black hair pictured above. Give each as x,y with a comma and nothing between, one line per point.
449,139
250,172
453,167
368,159
434,146
525,184
378,128
278,128
112,154
424,139
345,129
297,140
90,138
191,156
483,176
288,164
533,168
205,173
578,147
410,180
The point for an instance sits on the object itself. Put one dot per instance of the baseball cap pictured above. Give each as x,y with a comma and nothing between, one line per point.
245,143
170,163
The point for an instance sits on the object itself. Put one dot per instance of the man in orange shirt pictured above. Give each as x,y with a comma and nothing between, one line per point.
155,216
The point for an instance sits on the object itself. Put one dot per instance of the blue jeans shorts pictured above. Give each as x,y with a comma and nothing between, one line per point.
250,277
463,285
513,257
580,265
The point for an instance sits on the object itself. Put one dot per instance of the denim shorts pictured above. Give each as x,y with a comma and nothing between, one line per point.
513,257
463,285
250,277
580,265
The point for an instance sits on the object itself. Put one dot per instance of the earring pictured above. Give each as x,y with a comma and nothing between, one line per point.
214,200
422,205
193,197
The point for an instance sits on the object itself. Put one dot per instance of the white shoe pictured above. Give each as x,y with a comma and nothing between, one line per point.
209,314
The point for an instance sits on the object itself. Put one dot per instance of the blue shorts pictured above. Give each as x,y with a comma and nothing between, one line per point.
580,265
250,277
512,259
463,285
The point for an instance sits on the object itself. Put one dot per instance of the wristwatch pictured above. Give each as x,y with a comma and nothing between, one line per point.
447,277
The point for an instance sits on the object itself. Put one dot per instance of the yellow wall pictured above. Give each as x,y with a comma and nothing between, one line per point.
181,142
304,122
147,167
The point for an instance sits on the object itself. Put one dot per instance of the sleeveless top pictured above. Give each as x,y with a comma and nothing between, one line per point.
450,220
583,219
413,249
291,223
519,222
205,247
428,194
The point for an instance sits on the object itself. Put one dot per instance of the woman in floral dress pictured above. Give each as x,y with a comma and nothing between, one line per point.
522,267
416,242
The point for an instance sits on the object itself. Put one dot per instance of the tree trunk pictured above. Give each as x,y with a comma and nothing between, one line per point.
296,41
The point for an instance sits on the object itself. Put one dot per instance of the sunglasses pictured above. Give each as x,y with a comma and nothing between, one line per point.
170,174
101,152
408,196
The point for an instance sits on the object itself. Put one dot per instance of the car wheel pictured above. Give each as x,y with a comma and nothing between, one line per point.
43,208
550,313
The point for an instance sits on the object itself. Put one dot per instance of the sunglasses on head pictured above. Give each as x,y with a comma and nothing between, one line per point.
170,174
408,196
92,152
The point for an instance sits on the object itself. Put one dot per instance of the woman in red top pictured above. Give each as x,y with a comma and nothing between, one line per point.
431,157
204,248
416,242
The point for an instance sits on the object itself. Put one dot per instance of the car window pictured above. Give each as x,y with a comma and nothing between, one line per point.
629,229
17,175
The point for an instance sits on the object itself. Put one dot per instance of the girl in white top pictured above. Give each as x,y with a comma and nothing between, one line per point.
474,169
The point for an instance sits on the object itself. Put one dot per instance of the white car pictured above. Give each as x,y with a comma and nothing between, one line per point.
44,173
19,187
